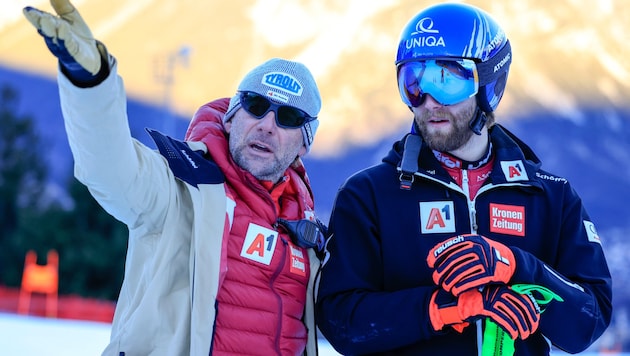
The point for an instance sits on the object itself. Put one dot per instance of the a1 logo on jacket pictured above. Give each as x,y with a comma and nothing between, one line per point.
437,217
514,171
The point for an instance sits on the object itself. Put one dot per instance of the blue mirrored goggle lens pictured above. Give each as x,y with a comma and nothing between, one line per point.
286,116
448,81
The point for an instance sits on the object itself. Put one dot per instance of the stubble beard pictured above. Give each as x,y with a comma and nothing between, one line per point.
456,137
270,170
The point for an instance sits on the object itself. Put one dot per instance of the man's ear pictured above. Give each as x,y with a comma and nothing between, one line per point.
302,151
228,125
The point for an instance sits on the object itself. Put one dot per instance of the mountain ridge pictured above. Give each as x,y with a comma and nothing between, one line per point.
181,54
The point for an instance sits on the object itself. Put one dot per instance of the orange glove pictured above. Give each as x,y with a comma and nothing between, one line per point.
518,314
470,261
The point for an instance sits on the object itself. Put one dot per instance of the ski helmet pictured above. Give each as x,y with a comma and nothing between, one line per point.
459,31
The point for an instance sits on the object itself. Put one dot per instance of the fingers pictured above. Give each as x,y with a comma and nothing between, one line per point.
33,16
45,23
446,248
470,261
461,270
516,313
62,7
51,26
72,16
66,26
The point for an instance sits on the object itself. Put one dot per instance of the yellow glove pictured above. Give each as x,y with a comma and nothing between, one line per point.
69,38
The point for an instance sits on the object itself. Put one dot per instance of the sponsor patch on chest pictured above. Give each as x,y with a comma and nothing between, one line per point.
507,219
437,217
259,244
298,260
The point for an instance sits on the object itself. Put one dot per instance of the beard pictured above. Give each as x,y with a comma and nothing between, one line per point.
446,141
271,170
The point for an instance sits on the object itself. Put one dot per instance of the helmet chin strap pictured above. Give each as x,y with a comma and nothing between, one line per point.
478,121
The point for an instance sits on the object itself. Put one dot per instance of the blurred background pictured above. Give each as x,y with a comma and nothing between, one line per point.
567,97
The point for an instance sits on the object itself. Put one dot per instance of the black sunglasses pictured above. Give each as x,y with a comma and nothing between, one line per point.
287,117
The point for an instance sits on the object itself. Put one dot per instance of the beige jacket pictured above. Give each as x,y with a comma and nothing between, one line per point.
166,304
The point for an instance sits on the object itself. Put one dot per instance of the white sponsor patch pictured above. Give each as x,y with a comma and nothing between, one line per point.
514,171
309,214
437,217
259,244
591,233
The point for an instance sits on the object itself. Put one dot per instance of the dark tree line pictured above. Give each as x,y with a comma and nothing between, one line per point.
91,244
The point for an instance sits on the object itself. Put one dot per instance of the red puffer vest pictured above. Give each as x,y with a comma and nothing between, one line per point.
262,293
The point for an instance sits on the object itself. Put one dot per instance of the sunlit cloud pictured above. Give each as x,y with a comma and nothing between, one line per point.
327,28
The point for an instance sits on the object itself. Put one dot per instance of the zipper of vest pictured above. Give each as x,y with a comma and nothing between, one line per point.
272,281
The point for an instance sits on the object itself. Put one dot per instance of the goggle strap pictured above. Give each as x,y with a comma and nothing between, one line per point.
492,69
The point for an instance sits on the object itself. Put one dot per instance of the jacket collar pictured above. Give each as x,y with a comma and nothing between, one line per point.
515,162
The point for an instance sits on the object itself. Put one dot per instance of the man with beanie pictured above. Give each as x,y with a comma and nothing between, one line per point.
459,242
222,231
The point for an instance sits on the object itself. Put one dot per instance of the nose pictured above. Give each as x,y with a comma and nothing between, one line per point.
268,122
430,102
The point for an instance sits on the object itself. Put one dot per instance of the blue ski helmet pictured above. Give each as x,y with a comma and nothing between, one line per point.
460,31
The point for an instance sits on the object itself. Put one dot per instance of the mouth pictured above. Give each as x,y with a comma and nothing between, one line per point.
260,147
438,120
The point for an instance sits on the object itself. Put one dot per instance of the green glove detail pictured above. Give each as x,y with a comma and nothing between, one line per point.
496,342
517,314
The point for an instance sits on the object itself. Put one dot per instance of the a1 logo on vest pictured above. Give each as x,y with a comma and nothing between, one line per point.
437,217
260,243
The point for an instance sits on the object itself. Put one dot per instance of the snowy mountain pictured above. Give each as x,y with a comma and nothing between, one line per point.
181,54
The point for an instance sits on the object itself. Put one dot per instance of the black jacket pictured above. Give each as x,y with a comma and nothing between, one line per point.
375,284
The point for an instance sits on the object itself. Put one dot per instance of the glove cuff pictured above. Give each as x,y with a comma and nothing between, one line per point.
81,77
443,310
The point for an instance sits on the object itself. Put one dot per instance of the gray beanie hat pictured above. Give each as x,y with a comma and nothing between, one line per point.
285,82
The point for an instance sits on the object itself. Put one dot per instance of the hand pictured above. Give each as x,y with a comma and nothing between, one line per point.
69,39
518,314
443,312
470,261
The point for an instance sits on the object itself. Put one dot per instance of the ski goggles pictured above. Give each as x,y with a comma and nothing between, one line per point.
448,81
287,117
